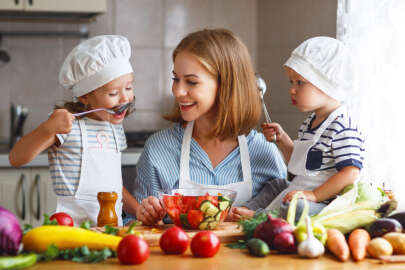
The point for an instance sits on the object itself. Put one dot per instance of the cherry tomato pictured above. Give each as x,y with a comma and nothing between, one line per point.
62,219
132,250
174,241
194,218
205,244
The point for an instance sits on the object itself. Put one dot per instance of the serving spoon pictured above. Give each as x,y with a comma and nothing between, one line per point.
261,86
115,110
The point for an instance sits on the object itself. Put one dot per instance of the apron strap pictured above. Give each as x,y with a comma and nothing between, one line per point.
185,154
245,160
115,137
327,122
83,132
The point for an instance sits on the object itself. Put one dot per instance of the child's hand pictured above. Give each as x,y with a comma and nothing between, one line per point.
60,122
309,195
273,132
237,213
150,211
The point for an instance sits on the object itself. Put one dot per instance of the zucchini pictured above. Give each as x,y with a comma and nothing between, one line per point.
208,208
223,205
66,237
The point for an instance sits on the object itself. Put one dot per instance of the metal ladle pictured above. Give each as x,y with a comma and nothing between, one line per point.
261,86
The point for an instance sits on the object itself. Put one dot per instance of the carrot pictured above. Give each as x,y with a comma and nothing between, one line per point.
358,241
337,244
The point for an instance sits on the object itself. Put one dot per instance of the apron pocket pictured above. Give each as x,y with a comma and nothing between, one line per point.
314,160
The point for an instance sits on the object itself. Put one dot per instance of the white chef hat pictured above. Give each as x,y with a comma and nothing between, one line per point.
95,62
327,64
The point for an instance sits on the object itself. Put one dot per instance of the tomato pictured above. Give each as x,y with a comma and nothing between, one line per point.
194,218
189,202
132,250
174,214
62,219
174,241
205,244
212,199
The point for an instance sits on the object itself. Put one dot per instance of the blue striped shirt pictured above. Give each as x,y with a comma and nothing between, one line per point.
65,159
340,145
158,167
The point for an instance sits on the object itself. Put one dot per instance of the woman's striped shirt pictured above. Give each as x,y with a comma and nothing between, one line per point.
340,145
159,165
65,160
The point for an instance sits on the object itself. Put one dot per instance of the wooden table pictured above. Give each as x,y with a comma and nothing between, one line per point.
226,258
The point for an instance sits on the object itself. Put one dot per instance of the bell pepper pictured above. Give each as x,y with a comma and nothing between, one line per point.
318,230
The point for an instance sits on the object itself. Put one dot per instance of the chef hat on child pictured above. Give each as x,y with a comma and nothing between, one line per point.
327,64
95,62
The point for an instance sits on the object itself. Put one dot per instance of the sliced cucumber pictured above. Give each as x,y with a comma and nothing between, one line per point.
208,208
212,225
218,216
203,225
223,198
223,205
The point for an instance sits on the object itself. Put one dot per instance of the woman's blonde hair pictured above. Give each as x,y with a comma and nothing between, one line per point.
226,57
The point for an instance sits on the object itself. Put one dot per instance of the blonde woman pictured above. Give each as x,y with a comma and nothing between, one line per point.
213,142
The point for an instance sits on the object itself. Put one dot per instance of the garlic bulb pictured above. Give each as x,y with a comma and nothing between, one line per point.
310,247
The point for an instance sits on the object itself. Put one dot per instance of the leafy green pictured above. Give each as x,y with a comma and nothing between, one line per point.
27,228
86,225
249,225
47,221
110,230
241,244
81,254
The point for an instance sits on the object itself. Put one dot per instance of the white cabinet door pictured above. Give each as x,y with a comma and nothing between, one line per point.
14,186
66,5
28,193
41,195
11,4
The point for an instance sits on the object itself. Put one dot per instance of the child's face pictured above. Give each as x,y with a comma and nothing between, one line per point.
304,95
194,88
117,92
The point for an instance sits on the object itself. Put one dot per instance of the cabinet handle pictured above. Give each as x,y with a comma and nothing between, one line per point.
22,183
37,183
16,2
30,2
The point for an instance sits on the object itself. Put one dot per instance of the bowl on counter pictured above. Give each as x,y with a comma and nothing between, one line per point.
201,209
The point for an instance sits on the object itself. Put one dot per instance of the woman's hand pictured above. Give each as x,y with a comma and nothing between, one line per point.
60,122
273,132
238,213
309,195
150,211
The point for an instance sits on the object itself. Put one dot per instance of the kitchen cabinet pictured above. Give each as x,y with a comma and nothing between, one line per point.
73,6
28,193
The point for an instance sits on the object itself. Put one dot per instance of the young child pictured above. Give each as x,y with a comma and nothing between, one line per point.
85,151
329,152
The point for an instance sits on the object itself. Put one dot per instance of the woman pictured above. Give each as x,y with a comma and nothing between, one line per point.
213,143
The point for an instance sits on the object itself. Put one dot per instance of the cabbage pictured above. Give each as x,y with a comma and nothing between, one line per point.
10,233
366,192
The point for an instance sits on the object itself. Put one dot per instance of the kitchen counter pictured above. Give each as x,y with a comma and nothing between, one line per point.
129,157
226,259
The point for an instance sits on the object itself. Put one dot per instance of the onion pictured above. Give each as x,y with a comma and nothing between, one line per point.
10,233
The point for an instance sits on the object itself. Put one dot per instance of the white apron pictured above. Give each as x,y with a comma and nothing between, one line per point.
243,188
100,172
305,179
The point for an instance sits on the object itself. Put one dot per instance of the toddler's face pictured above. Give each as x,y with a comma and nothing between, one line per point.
304,95
115,93
194,88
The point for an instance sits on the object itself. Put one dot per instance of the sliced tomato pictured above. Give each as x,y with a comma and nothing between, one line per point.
189,203
195,217
199,200
168,201
174,214
223,215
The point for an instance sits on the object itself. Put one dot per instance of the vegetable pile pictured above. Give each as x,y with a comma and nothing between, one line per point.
197,212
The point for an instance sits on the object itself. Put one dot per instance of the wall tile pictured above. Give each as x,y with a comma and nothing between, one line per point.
141,21
147,65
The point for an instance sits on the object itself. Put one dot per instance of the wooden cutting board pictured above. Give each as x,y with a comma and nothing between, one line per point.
227,232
